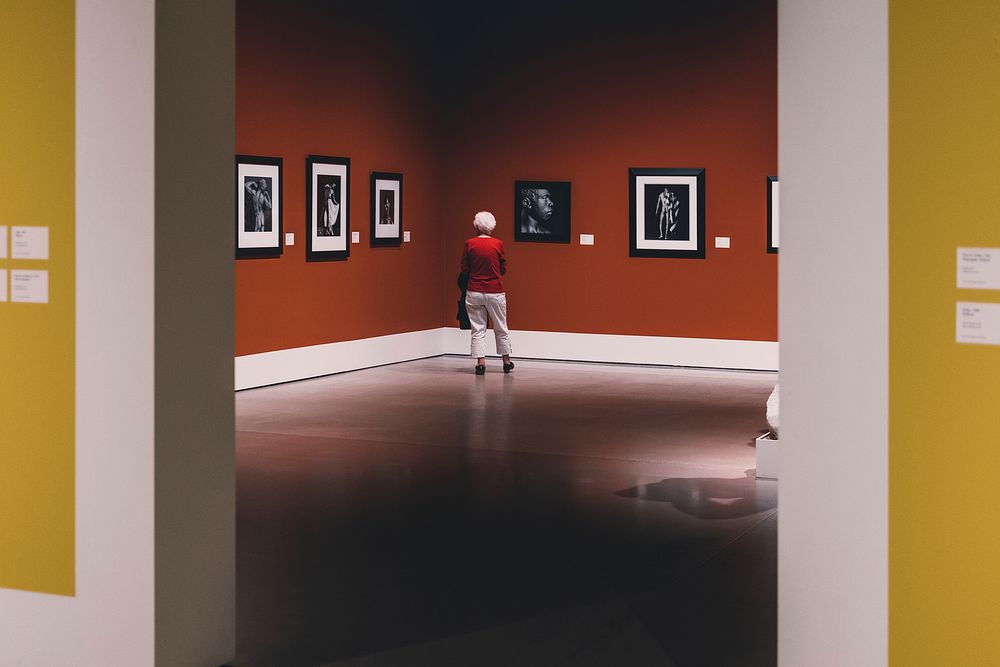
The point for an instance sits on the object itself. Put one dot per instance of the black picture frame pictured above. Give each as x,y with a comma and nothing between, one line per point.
259,192
773,215
328,212
556,204
656,231
386,209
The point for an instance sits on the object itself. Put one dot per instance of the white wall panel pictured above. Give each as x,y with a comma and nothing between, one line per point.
833,314
110,620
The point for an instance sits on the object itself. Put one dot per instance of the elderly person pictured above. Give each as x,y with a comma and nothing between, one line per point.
483,261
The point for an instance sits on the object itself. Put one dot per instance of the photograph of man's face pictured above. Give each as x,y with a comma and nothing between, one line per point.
541,211
536,210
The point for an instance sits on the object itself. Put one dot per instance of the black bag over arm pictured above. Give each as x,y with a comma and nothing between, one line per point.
463,314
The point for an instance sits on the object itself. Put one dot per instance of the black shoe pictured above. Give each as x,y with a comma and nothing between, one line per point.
507,368
480,369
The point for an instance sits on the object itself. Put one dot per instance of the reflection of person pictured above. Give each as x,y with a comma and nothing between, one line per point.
386,218
667,212
483,261
331,211
261,200
536,210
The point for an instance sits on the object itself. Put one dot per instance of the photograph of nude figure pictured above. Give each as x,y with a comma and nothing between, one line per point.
258,206
666,212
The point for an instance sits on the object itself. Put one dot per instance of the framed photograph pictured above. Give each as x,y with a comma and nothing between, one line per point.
666,213
328,220
387,209
258,206
541,211
773,209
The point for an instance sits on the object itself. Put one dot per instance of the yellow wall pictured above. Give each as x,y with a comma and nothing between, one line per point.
944,460
37,395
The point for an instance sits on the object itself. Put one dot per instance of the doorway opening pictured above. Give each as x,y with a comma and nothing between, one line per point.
416,514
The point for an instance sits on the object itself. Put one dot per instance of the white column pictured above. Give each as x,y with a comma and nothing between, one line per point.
155,482
833,304
110,620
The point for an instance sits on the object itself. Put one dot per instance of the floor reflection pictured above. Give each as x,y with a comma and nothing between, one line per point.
418,515
710,497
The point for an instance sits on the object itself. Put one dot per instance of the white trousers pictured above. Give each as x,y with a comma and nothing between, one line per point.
479,304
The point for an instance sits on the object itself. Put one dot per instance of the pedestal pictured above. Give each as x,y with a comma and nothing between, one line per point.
767,457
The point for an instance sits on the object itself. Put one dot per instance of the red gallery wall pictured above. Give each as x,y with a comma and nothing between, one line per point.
350,80
466,102
581,96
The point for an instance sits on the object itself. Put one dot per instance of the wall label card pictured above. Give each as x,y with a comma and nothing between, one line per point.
3,242
29,242
29,286
977,323
978,268
586,239
3,284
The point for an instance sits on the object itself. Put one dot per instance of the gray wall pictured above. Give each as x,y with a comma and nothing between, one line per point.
833,327
195,471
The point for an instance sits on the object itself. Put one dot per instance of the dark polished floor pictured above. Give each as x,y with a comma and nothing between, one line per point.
566,514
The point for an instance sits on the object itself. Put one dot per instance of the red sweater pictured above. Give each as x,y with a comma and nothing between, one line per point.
484,262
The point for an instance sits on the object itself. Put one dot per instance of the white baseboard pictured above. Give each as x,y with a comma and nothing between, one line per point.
258,370
607,348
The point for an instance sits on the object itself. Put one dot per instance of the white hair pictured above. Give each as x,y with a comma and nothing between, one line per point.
484,222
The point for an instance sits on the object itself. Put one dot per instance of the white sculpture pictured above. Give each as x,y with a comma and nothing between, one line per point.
772,411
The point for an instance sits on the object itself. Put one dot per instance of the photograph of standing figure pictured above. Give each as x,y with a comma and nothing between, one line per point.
328,206
668,206
328,216
386,209
258,206
257,210
666,212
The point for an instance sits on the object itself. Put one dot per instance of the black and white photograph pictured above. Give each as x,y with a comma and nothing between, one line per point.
773,211
258,206
328,189
386,209
542,211
667,213
327,216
